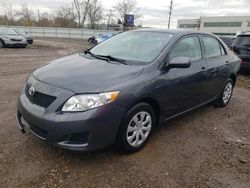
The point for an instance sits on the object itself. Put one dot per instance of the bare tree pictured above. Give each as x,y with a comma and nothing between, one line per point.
9,13
85,7
95,13
63,17
124,7
109,16
46,20
81,7
78,7
26,13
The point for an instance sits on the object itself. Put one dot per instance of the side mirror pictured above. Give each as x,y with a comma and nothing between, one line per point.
179,62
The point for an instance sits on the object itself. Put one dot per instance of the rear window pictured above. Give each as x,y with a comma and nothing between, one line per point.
242,40
212,47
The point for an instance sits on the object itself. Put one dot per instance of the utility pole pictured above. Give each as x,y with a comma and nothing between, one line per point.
38,16
170,13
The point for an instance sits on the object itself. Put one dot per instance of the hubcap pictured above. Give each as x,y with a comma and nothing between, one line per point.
227,92
138,129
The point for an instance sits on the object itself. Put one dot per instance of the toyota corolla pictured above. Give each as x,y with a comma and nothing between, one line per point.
117,92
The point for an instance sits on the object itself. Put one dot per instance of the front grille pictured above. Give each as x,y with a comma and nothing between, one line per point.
16,40
40,99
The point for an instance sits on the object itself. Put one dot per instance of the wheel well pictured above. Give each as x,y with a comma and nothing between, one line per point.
154,104
233,77
2,41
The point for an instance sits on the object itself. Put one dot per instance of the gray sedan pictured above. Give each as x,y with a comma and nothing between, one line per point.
10,38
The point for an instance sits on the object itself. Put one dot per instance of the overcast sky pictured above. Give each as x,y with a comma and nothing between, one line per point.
155,12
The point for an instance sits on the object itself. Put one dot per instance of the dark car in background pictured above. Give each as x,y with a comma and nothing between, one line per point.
10,38
26,35
227,40
241,47
102,37
118,91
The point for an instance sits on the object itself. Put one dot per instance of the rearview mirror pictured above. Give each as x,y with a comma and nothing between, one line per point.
179,62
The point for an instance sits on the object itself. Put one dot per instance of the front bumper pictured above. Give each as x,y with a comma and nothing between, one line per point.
245,65
15,43
81,131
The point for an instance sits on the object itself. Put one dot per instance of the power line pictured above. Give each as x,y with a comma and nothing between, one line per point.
170,13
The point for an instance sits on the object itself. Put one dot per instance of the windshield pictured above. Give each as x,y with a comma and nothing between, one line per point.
242,40
20,31
8,32
140,47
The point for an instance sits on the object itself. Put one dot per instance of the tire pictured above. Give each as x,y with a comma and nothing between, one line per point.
226,94
133,136
2,44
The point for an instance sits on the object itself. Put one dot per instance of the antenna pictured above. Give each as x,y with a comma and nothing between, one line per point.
170,13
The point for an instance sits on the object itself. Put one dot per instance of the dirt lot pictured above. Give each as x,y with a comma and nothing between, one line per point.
206,148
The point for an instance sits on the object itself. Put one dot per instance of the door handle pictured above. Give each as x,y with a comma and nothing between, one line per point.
227,62
203,68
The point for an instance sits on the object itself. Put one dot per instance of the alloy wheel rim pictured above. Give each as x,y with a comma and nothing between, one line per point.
138,129
227,92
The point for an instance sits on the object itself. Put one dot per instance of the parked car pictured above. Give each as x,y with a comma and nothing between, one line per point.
118,91
241,47
92,40
100,38
227,40
10,38
26,35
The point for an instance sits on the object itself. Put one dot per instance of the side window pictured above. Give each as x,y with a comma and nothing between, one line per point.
188,47
223,52
212,47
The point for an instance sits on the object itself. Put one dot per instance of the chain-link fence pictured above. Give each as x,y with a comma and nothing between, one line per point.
71,33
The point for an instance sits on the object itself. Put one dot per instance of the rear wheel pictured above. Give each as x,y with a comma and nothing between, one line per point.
136,128
226,94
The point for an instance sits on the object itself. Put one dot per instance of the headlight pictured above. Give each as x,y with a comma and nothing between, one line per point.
6,38
85,102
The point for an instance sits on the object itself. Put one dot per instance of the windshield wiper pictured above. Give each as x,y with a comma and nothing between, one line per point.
95,56
106,57
122,61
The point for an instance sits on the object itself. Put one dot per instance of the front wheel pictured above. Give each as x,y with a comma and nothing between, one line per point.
226,94
2,45
136,128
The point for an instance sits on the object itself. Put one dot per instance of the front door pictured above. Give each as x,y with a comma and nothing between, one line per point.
183,87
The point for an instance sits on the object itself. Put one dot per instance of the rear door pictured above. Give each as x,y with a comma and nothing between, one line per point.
217,66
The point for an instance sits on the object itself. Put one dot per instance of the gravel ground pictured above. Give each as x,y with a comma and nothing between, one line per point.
209,147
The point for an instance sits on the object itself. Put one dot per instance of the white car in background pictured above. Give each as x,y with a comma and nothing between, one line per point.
26,35
10,38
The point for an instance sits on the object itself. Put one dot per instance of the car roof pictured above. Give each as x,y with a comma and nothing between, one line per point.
245,34
175,31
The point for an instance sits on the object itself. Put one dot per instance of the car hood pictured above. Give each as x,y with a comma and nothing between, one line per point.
17,37
83,75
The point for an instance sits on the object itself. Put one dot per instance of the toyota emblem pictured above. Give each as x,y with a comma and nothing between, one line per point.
32,91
